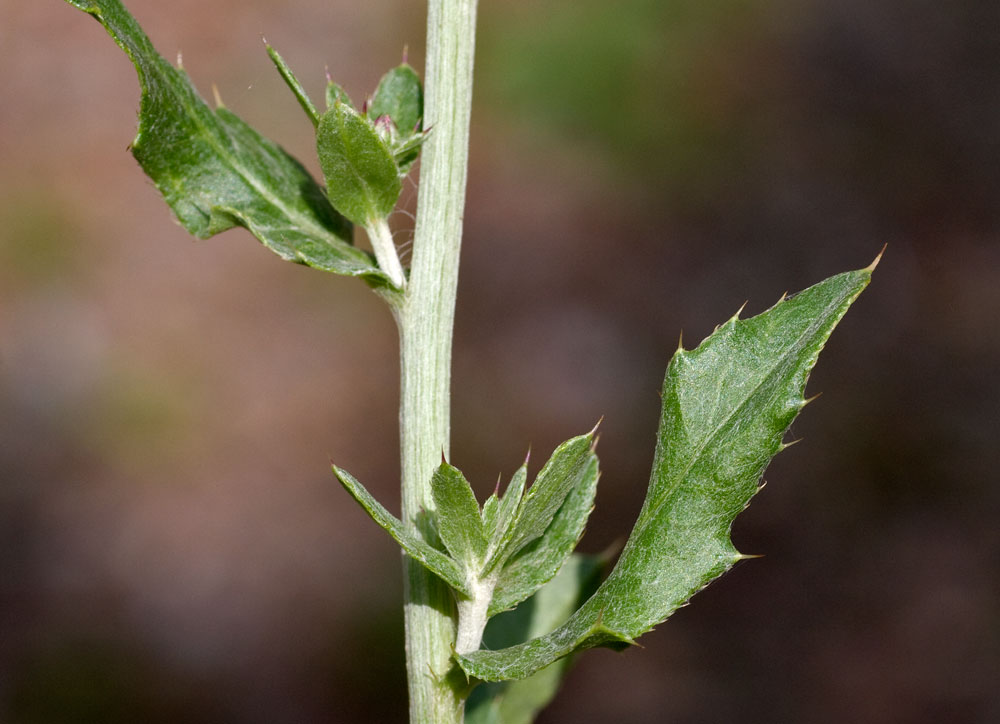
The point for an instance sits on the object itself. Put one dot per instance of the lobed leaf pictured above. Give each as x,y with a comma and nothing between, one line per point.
409,539
216,172
362,179
725,408
459,522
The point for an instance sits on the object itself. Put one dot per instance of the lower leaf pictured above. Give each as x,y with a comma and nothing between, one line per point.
725,408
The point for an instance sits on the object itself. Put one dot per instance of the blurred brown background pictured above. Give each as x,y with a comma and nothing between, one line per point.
172,545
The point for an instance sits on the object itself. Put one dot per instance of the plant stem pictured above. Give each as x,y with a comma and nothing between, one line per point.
385,251
425,324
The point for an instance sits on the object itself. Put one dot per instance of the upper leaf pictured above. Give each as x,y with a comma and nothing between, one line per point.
459,522
726,406
216,172
399,96
362,179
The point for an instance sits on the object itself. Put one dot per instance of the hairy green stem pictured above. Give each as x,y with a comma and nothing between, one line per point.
425,324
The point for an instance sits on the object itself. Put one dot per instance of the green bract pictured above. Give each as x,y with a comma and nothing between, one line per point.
216,172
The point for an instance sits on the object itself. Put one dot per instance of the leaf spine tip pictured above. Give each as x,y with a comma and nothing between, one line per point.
786,445
217,96
746,556
406,53
736,317
871,267
594,430
527,457
680,343
810,399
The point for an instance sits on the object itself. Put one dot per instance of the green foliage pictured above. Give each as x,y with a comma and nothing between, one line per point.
725,408
726,405
400,97
294,85
216,172
409,539
460,523
362,179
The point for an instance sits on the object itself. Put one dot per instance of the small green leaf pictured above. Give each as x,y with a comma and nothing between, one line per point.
518,702
510,503
545,496
216,172
294,85
459,522
540,560
489,514
335,94
362,179
725,408
399,96
416,547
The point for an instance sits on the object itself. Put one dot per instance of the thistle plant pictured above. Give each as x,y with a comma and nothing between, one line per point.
504,570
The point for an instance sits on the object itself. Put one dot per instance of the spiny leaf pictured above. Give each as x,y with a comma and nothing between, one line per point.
540,560
518,702
546,495
416,547
216,172
459,522
509,505
362,179
725,408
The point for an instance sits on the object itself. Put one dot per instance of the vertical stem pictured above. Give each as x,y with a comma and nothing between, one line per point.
425,323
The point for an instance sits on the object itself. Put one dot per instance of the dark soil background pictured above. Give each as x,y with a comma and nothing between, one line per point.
173,547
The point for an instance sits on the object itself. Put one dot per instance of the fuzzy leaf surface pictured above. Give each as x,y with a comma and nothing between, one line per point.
518,702
459,521
556,479
725,408
362,179
510,503
215,172
416,547
400,96
539,561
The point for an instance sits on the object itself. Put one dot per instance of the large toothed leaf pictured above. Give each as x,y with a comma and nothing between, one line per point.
726,406
216,172
459,522
362,178
539,561
416,547
558,476
518,702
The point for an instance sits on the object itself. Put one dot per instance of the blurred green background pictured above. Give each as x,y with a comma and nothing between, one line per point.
172,545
